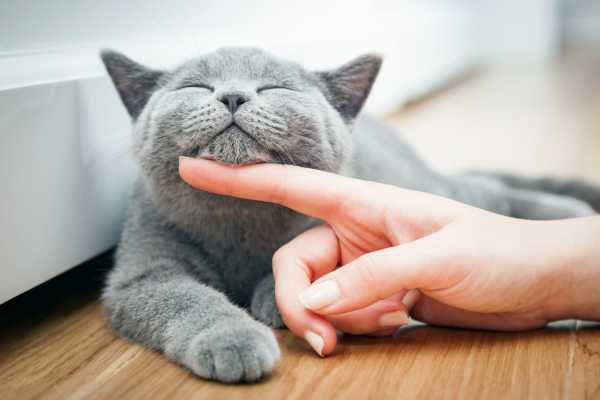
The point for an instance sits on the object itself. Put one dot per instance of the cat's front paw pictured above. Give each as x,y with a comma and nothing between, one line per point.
264,307
237,351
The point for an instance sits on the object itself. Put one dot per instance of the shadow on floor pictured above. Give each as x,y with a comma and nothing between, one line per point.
74,288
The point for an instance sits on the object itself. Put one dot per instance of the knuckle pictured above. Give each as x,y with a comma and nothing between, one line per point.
278,257
333,205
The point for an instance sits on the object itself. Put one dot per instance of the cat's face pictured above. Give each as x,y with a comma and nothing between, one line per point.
240,106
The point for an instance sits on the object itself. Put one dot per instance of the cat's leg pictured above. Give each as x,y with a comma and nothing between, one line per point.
154,297
263,306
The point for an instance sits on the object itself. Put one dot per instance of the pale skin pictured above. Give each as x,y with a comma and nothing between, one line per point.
384,252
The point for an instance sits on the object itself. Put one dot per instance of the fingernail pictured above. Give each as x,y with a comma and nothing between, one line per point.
395,318
315,341
319,295
411,298
181,158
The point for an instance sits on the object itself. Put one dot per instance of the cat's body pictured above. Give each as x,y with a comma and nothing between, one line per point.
190,262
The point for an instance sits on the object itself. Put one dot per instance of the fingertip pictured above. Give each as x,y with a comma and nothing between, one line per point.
205,175
382,316
319,333
411,298
321,336
394,319
329,338
185,164
182,163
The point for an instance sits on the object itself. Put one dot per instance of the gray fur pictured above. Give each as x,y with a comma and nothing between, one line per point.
562,187
190,263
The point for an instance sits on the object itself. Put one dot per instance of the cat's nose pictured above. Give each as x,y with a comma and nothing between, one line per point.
233,101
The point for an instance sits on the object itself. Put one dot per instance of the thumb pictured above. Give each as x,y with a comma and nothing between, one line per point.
378,275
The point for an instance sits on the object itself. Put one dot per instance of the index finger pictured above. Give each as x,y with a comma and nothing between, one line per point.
308,191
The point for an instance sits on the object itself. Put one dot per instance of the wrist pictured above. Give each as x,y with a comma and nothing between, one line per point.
576,270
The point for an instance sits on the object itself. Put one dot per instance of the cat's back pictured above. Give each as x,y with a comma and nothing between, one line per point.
381,154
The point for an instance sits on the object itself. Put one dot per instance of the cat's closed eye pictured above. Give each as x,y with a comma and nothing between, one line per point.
197,86
272,87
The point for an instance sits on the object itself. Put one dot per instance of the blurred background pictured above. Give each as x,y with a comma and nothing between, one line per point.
510,85
425,42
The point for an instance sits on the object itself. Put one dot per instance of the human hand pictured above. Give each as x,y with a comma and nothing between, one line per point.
472,268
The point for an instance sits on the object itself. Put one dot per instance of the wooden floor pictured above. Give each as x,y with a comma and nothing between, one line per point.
54,344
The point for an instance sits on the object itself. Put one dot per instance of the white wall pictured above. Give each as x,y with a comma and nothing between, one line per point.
425,42
519,31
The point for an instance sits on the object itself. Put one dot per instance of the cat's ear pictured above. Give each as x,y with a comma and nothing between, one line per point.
348,86
134,82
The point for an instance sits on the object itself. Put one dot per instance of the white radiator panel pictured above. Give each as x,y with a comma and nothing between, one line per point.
65,172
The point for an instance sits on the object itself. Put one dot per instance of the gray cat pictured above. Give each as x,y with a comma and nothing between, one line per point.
193,270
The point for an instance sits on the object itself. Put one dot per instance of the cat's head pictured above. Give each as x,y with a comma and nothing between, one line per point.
240,106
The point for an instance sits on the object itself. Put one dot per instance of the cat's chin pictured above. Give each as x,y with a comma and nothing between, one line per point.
234,147
235,163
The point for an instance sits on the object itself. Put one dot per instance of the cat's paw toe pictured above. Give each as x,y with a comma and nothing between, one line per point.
234,353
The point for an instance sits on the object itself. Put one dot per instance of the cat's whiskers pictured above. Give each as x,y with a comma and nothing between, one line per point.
281,151
267,124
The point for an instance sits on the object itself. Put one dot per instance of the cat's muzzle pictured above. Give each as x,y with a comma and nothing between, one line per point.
235,146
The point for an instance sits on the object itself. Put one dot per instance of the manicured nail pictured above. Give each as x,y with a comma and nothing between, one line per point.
315,341
411,298
319,295
181,158
395,318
